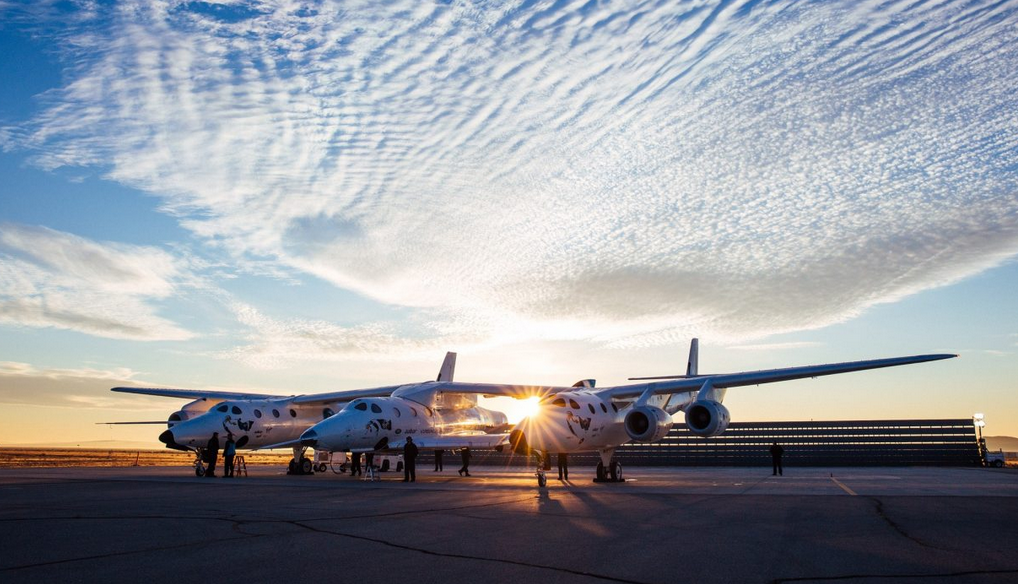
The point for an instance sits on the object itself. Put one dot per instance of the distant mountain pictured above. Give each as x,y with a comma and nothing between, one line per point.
1005,443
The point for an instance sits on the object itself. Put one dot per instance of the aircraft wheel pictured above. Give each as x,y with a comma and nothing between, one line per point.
616,471
600,471
306,466
199,471
542,480
291,468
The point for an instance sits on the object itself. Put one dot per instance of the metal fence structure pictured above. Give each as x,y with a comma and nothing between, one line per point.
813,443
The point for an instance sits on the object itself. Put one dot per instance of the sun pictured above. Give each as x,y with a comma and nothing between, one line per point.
515,409
528,406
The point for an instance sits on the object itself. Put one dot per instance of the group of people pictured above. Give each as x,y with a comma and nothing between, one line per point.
212,455
410,452
464,457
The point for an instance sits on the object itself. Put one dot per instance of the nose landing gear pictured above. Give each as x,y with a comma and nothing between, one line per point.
199,462
609,470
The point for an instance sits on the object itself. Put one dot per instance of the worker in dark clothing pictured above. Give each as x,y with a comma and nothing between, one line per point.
355,464
776,453
410,461
369,459
212,454
438,460
229,452
563,466
465,457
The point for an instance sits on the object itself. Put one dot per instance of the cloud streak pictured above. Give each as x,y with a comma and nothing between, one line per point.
25,384
50,278
629,175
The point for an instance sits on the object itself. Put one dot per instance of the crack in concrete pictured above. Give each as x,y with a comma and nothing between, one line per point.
879,508
467,556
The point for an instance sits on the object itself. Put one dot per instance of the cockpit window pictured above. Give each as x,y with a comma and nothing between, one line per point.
361,407
222,408
395,412
413,411
559,402
615,407
275,413
375,409
573,404
603,408
591,407
327,413
258,413
293,414
235,410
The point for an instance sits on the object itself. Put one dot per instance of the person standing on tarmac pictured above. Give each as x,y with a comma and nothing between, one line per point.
563,466
465,456
229,452
410,461
355,464
776,453
438,460
212,454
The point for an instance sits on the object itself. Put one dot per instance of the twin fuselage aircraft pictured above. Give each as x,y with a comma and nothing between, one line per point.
443,414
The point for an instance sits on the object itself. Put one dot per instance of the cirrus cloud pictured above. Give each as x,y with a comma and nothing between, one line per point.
571,169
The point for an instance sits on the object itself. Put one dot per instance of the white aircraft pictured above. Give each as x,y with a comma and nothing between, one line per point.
258,421
569,419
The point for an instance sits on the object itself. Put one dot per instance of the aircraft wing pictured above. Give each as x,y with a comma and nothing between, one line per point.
500,389
194,393
340,396
726,380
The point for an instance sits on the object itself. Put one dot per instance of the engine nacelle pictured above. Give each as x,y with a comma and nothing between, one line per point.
648,424
191,410
707,418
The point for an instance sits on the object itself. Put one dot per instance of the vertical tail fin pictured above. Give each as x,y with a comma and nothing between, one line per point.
448,367
692,366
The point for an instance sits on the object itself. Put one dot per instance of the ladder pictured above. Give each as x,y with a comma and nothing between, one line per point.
239,466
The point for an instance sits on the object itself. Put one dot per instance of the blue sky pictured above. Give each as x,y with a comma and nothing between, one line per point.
325,196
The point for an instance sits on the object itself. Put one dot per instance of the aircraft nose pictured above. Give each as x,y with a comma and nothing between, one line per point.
166,438
309,438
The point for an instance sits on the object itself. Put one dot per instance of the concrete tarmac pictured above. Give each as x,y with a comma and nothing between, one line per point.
702,525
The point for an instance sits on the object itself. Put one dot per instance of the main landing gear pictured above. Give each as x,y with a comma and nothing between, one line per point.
609,470
300,464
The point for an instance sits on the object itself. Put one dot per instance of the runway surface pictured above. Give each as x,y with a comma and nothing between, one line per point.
699,525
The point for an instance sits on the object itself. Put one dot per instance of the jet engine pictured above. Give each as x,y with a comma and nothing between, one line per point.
707,418
191,410
647,423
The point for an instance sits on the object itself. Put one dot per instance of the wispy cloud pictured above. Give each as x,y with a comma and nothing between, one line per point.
271,343
776,346
628,174
54,279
